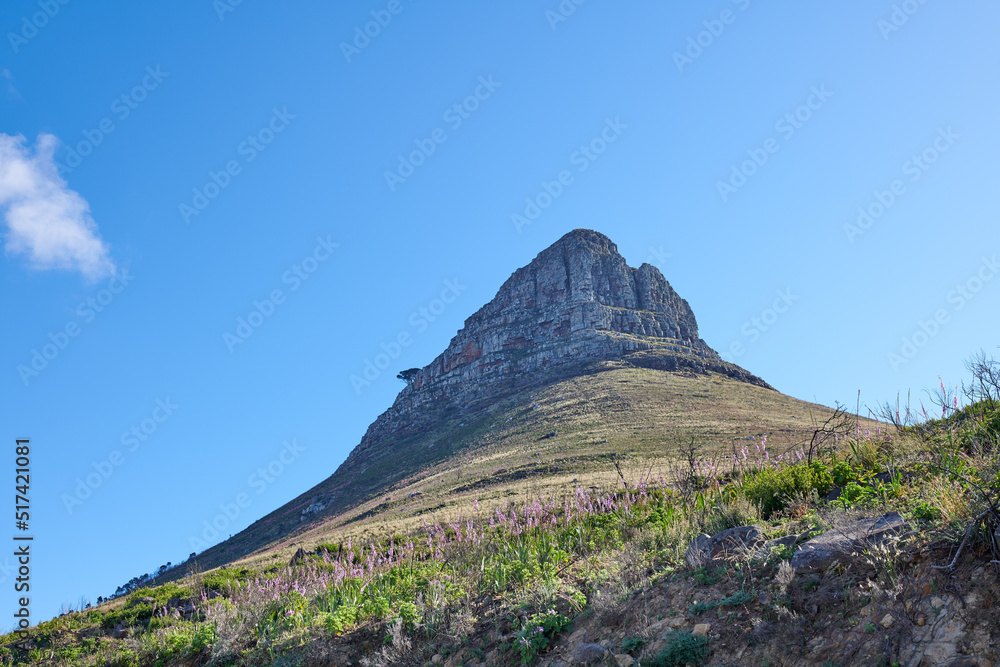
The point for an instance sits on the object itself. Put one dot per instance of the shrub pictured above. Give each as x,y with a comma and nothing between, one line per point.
842,473
682,648
634,644
130,616
771,489
341,620
225,577
854,493
408,614
734,600
537,633
702,576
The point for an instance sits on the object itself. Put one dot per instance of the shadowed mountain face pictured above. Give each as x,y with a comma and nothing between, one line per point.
577,307
577,300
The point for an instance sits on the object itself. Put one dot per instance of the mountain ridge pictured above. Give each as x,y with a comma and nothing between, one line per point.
577,310
576,300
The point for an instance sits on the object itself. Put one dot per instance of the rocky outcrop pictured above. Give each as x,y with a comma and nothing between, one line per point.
712,550
577,301
842,544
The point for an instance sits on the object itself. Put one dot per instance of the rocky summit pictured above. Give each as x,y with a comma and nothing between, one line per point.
577,301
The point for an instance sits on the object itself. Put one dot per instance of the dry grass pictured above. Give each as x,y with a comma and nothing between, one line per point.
498,453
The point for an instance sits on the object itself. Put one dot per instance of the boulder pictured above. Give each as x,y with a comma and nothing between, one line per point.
764,551
298,558
710,551
840,544
585,653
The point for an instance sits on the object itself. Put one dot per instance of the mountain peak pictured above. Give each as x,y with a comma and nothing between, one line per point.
578,301
576,316
587,236
585,266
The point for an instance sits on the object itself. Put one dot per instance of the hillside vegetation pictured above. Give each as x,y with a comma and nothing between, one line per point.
527,442
562,572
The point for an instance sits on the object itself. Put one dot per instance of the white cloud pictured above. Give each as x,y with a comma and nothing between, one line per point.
12,93
47,221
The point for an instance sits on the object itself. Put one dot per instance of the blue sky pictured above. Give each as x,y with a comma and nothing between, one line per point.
168,171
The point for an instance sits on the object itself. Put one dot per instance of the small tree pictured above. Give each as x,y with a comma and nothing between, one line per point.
408,375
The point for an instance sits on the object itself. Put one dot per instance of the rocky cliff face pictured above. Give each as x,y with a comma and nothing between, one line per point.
578,300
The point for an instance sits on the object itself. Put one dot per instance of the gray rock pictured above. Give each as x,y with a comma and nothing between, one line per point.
585,653
709,551
766,549
299,557
838,545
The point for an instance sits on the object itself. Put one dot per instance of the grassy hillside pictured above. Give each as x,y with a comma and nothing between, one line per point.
598,412
542,570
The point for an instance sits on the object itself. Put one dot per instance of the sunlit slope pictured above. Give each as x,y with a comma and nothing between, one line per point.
530,441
